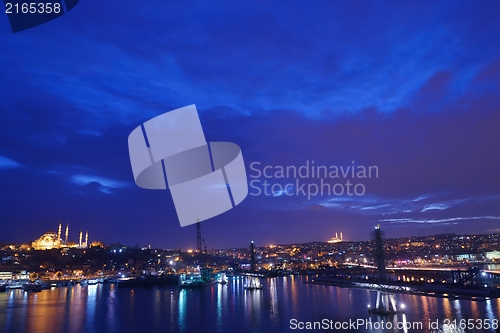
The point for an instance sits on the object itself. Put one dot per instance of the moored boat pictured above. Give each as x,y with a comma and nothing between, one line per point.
150,281
32,287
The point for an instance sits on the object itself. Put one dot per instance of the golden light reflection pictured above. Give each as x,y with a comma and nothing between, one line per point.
447,308
294,291
45,312
475,310
425,306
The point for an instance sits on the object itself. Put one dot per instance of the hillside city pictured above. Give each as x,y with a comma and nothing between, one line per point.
73,260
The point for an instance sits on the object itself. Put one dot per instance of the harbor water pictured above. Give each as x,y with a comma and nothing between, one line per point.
284,304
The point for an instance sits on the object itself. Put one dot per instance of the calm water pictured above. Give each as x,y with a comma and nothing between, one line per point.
230,308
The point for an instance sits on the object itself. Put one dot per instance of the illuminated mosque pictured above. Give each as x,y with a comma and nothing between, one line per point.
336,239
53,240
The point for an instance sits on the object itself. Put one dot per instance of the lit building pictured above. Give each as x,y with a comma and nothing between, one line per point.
493,255
52,240
47,241
336,239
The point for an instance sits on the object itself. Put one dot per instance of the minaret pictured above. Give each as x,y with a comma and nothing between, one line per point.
336,235
59,235
67,233
87,239
341,238
80,243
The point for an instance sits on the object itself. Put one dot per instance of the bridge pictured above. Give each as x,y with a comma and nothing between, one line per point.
471,283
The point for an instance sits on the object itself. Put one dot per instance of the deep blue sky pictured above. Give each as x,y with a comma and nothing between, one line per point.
411,87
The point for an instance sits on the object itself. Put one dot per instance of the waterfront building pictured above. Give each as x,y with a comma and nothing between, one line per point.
466,256
493,255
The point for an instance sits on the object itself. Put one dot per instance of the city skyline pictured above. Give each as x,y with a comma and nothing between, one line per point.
415,94
57,241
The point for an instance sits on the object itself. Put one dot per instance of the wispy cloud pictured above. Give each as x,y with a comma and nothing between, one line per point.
448,204
7,163
375,205
444,220
106,184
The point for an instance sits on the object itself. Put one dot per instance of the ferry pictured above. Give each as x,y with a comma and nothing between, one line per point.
150,281
197,280
32,287
93,281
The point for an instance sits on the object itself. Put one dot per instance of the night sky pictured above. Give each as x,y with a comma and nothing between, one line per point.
410,87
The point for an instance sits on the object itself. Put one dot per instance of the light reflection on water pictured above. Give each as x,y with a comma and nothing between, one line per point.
220,324
111,307
218,308
182,310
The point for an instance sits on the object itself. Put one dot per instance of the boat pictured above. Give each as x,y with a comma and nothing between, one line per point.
92,281
197,284
200,280
15,285
32,287
111,279
150,281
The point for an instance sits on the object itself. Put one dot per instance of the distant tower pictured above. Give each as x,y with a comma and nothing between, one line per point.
386,301
379,254
198,236
252,257
80,243
199,249
59,235
336,235
87,239
67,233
341,238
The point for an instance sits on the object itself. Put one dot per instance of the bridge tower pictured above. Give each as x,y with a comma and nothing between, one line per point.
379,254
386,301
198,236
252,257
252,279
